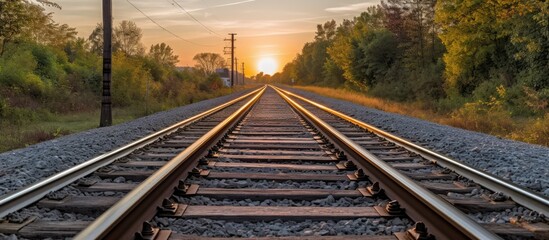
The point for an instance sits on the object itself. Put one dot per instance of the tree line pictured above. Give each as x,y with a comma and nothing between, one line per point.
454,56
45,68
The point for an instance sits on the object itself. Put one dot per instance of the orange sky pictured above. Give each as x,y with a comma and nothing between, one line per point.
265,28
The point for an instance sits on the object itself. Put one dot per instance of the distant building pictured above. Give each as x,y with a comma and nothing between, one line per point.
224,75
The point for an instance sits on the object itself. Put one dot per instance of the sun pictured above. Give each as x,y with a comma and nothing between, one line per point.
267,65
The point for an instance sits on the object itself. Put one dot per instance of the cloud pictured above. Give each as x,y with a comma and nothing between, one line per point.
220,6
235,3
358,7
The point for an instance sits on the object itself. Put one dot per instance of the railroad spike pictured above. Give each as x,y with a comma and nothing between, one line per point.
181,188
419,232
349,165
329,146
359,174
168,207
148,232
147,229
375,189
393,208
169,204
211,153
203,161
195,172
341,156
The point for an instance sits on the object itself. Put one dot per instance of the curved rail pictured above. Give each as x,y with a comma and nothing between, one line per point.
136,204
445,220
19,199
522,196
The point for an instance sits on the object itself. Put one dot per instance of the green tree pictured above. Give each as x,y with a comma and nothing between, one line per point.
127,38
96,39
13,18
163,54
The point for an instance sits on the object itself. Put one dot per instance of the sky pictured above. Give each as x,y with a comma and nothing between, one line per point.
269,32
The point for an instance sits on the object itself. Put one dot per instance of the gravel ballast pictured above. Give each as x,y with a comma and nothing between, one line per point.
279,228
522,163
22,167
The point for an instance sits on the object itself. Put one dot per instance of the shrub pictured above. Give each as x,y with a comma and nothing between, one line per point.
485,116
536,131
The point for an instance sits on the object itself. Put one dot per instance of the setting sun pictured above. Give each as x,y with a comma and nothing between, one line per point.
267,65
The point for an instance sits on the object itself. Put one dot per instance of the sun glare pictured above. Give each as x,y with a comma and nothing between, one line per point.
267,65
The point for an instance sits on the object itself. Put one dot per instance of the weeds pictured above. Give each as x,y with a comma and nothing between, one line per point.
489,117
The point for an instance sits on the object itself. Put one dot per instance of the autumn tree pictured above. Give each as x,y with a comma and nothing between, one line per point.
96,39
350,45
207,63
12,20
163,54
22,17
42,29
161,61
127,38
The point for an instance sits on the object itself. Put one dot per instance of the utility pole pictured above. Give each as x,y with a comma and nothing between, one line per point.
236,71
106,105
243,75
232,56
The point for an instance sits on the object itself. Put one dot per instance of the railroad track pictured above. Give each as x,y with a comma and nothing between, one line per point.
272,164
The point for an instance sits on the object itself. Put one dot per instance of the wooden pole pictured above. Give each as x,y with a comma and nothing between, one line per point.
106,105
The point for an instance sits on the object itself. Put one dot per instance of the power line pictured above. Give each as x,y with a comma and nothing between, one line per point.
175,35
190,15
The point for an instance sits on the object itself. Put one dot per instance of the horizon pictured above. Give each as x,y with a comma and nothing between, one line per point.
276,38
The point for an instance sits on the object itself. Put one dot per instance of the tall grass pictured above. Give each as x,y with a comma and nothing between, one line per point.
38,129
479,116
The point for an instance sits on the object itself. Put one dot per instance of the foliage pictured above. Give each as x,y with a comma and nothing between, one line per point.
455,57
485,117
163,54
47,73
127,38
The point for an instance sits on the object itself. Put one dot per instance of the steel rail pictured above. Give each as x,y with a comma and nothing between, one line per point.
520,195
443,219
136,205
14,201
